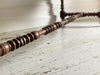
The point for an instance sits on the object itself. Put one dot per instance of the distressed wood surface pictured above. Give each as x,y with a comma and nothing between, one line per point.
71,50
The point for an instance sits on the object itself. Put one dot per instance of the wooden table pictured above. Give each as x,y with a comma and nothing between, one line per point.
72,50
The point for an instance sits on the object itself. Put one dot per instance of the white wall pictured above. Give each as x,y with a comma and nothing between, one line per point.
23,14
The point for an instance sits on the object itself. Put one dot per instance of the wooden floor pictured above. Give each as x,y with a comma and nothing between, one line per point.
71,50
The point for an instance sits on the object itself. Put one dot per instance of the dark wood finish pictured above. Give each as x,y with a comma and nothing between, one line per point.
84,14
25,39
63,14
62,10
21,41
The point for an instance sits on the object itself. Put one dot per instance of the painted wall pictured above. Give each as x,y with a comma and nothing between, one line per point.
23,14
